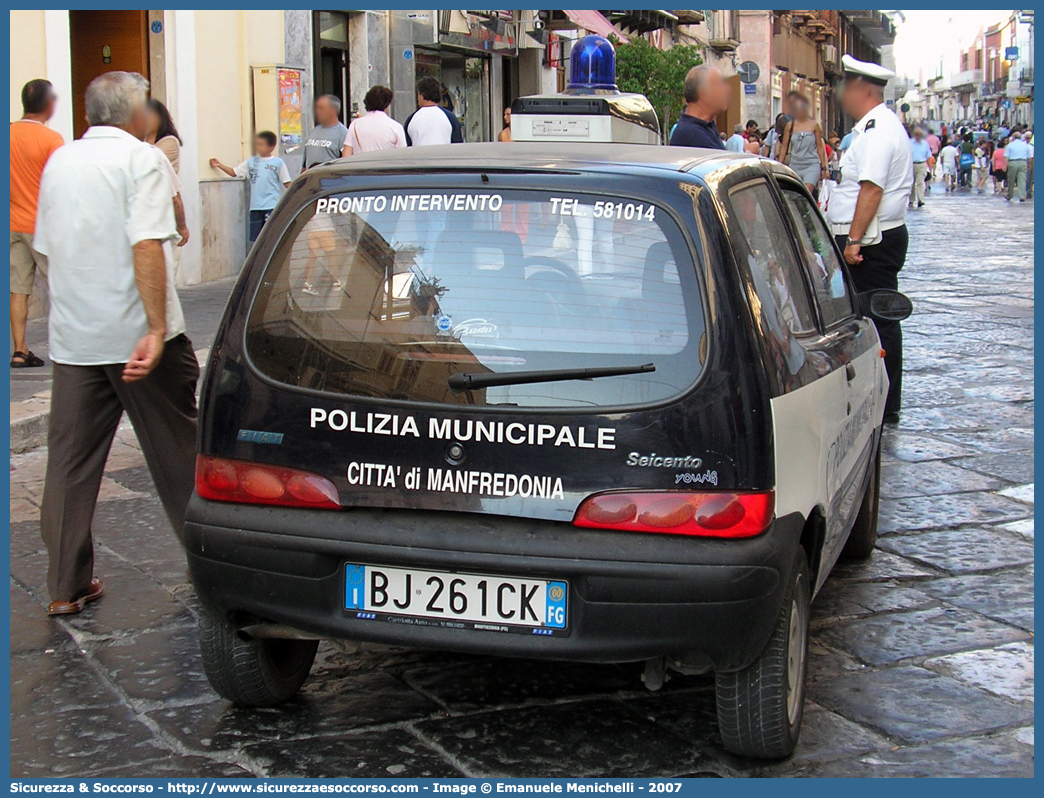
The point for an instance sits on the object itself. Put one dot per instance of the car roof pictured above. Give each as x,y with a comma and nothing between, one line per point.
540,156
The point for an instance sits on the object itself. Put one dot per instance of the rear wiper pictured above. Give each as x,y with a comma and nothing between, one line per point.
470,381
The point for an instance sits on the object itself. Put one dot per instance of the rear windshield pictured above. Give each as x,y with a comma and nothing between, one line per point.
386,295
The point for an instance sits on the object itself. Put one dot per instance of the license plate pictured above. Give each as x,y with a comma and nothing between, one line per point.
458,601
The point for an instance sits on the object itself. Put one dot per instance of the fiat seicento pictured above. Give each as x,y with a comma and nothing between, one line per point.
607,403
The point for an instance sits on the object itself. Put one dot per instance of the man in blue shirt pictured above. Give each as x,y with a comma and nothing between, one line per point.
706,96
921,152
736,142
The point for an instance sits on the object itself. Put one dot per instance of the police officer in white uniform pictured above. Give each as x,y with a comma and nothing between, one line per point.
867,210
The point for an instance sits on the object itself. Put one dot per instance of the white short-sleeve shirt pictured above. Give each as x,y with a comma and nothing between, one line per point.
99,196
430,125
880,154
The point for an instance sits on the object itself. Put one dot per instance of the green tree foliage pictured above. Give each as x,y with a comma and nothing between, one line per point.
658,74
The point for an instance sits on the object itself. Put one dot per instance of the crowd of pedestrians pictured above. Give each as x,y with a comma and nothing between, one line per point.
867,180
795,137
862,181
266,173
969,156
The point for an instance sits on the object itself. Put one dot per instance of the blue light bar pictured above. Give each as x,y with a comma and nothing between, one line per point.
592,65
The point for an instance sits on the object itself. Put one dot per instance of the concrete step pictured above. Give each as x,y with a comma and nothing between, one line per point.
29,417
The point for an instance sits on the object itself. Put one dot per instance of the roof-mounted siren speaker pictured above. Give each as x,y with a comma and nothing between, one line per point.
591,109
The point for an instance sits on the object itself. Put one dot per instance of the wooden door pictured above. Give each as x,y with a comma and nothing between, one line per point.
104,41
732,115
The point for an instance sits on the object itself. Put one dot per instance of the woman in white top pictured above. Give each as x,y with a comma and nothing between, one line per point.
375,130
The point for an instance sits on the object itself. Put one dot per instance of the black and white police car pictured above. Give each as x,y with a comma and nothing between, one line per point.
608,403
570,399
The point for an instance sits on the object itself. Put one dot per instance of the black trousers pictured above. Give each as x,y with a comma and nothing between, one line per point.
880,269
86,405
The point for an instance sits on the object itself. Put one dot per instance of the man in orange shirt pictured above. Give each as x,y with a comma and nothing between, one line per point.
32,143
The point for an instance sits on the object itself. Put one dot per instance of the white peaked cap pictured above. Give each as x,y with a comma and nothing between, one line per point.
875,73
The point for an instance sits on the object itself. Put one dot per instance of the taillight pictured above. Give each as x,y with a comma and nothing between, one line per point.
224,480
722,515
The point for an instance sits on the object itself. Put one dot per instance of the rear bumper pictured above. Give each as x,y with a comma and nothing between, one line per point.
633,596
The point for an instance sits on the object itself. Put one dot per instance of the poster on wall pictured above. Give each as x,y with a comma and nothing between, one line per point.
290,133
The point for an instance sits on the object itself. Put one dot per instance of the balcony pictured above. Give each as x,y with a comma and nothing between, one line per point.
690,17
875,26
820,25
723,30
642,21
966,80
1026,76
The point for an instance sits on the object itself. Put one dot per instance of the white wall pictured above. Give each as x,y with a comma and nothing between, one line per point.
210,93
40,49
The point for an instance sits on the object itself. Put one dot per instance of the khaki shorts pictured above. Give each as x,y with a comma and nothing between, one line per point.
24,262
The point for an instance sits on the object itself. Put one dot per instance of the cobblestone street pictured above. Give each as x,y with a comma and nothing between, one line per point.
922,658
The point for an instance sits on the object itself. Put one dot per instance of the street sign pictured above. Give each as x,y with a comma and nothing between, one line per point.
1006,104
750,88
1011,53
748,72
1023,100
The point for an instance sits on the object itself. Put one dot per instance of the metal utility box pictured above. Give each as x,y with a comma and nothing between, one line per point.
279,104
618,118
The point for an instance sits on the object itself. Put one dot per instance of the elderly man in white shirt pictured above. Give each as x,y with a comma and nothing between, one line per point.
117,333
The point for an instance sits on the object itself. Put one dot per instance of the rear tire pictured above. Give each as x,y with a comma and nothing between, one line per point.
863,538
254,672
760,707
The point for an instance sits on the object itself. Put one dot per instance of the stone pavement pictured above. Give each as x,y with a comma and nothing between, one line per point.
922,658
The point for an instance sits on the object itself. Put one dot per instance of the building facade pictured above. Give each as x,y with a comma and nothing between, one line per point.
1006,91
989,78
801,51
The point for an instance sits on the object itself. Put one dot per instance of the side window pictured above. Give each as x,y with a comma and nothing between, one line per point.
824,266
765,246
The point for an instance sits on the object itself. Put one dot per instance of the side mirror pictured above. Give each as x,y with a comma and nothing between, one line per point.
884,304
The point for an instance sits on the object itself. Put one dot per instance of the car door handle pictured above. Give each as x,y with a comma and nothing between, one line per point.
850,372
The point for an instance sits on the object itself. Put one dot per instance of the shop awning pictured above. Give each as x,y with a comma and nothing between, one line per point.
595,22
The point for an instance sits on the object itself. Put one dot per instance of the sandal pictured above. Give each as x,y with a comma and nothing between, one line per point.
29,360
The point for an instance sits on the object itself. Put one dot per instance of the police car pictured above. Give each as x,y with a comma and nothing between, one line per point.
610,403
